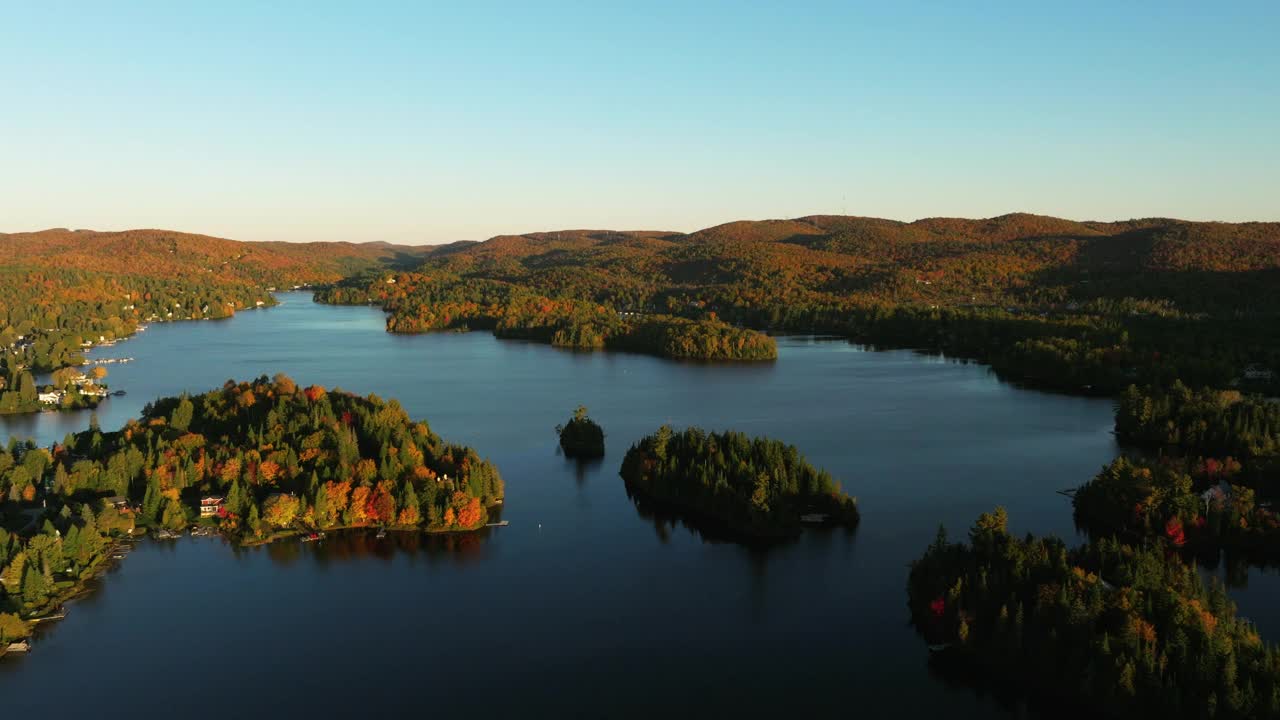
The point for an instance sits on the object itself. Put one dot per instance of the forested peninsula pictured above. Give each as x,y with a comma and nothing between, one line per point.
1125,624
757,488
1105,629
256,461
1207,480
1081,307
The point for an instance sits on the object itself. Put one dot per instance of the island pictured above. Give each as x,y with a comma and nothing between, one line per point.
755,488
581,437
256,461
1105,629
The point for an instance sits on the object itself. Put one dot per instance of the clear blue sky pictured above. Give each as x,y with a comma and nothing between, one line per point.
426,122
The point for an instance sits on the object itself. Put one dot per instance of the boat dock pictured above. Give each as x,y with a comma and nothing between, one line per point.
20,646
58,614
500,523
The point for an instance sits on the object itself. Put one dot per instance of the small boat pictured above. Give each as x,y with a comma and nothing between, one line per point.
312,537
382,533
118,556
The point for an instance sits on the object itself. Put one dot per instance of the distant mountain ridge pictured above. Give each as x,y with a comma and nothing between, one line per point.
841,244
171,252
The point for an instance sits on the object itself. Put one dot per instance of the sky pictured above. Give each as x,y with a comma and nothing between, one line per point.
430,122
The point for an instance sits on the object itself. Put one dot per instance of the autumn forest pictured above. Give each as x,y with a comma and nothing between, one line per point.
1176,322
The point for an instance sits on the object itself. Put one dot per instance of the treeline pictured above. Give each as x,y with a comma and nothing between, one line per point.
1199,505
755,487
48,317
1209,480
48,545
1207,421
276,458
63,291
1079,307
425,303
1108,629
1085,349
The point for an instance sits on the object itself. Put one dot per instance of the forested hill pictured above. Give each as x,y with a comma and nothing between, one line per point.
1017,257
1076,306
169,254
63,290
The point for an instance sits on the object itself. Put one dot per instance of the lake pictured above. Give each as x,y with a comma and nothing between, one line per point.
583,604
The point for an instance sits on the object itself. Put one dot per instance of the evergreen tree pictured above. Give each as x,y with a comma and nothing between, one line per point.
321,510
181,418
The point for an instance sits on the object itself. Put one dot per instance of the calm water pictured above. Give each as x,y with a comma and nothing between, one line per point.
582,604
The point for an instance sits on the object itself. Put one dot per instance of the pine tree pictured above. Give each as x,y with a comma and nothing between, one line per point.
180,420
321,511
236,499
35,587
151,500
61,482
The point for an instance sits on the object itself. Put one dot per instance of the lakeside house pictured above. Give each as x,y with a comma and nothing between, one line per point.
1220,493
210,505
117,501
50,398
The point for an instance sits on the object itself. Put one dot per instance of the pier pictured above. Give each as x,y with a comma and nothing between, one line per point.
58,614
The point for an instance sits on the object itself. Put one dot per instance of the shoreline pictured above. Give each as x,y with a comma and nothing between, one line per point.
84,584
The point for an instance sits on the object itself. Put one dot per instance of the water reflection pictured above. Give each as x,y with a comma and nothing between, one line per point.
584,467
665,518
346,546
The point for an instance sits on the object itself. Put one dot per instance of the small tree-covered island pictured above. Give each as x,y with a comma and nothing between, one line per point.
581,437
1109,629
257,461
752,487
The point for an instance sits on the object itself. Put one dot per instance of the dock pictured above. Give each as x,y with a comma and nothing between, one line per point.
58,614
20,646
500,523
